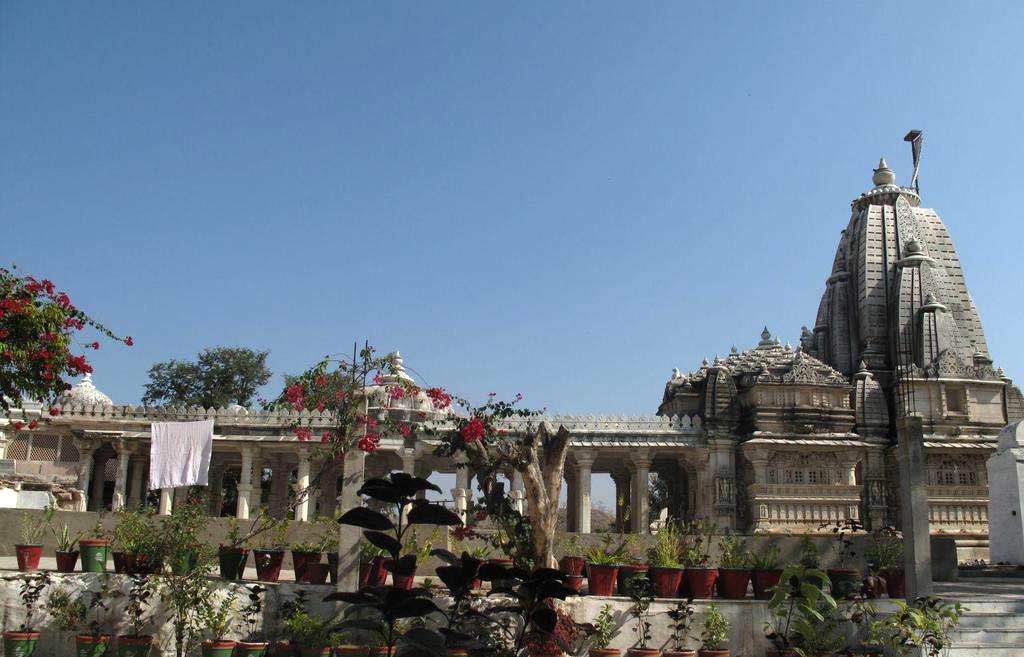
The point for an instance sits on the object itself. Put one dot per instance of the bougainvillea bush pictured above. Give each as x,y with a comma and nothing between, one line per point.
39,331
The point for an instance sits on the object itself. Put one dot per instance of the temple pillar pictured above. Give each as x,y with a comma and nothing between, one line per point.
216,484
408,455
518,493
135,490
302,491
917,549
641,493
584,465
722,466
760,514
460,494
86,451
329,491
279,487
245,475
99,479
571,497
124,455
622,500
349,537
876,504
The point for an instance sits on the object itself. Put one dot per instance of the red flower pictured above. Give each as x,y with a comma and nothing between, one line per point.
326,437
369,443
129,342
302,433
474,430
397,392
439,398
404,429
18,426
4,333
54,412
481,516
33,424
378,379
321,380
462,533
48,285
95,345
294,395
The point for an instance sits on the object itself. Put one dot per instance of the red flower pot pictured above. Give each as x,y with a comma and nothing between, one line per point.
643,652
896,582
124,562
283,649
372,573
732,584
574,582
66,561
627,574
572,565
316,573
301,561
700,582
403,581
28,556
665,581
679,653
605,652
268,564
764,582
723,652
601,579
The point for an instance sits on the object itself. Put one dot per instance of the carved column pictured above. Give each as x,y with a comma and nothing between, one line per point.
876,503
244,497
722,464
461,491
256,482
135,492
349,537
518,493
302,488
760,512
124,455
641,493
86,451
279,487
622,500
584,466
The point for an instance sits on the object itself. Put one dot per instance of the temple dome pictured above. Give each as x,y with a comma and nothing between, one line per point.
418,407
84,393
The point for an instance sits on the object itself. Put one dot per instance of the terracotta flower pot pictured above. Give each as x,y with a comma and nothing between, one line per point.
721,652
134,646
575,582
218,648
764,581
572,566
282,649
700,582
679,653
124,562
403,581
845,582
732,583
300,560
895,582
268,564
147,565
665,581
91,645
231,561
458,652
601,579
316,651
316,573
643,652
66,561
28,556
350,651
373,573
20,644
627,574
94,554
604,652
252,649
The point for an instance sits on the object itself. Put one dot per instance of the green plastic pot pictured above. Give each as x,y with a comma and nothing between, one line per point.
94,554
232,562
20,644
134,646
88,645
252,649
218,648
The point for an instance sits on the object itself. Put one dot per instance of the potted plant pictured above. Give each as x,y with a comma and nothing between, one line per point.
312,634
22,642
30,549
922,627
603,565
642,596
216,621
184,529
306,558
231,555
483,553
562,638
135,643
95,549
845,577
415,547
572,562
885,557
371,565
734,573
90,620
665,569
699,578
254,644
132,537
798,605
631,569
682,618
67,555
603,631
715,634
270,555
765,562
329,545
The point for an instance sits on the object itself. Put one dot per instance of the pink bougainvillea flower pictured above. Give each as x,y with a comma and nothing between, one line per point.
397,392
54,412
378,379
404,429
18,426
129,342
474,430
439,398
302,433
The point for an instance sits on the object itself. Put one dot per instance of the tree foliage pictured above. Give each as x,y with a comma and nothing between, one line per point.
218,377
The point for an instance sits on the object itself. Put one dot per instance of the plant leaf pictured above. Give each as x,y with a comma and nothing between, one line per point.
426,513
367,519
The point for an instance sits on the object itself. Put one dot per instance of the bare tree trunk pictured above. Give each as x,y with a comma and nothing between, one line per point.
545,464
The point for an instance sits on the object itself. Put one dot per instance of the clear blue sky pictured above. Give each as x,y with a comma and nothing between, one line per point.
564,200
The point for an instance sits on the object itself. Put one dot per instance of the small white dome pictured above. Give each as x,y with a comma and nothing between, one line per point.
85,393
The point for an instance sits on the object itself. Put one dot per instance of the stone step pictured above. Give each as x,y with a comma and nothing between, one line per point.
989,637
993,606
1007,620
985,651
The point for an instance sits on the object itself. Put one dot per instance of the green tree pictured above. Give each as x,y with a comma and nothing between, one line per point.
219,376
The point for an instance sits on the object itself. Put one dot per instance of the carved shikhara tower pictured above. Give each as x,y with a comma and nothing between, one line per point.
813,428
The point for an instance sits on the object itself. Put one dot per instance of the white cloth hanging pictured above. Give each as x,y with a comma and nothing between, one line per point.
179,454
